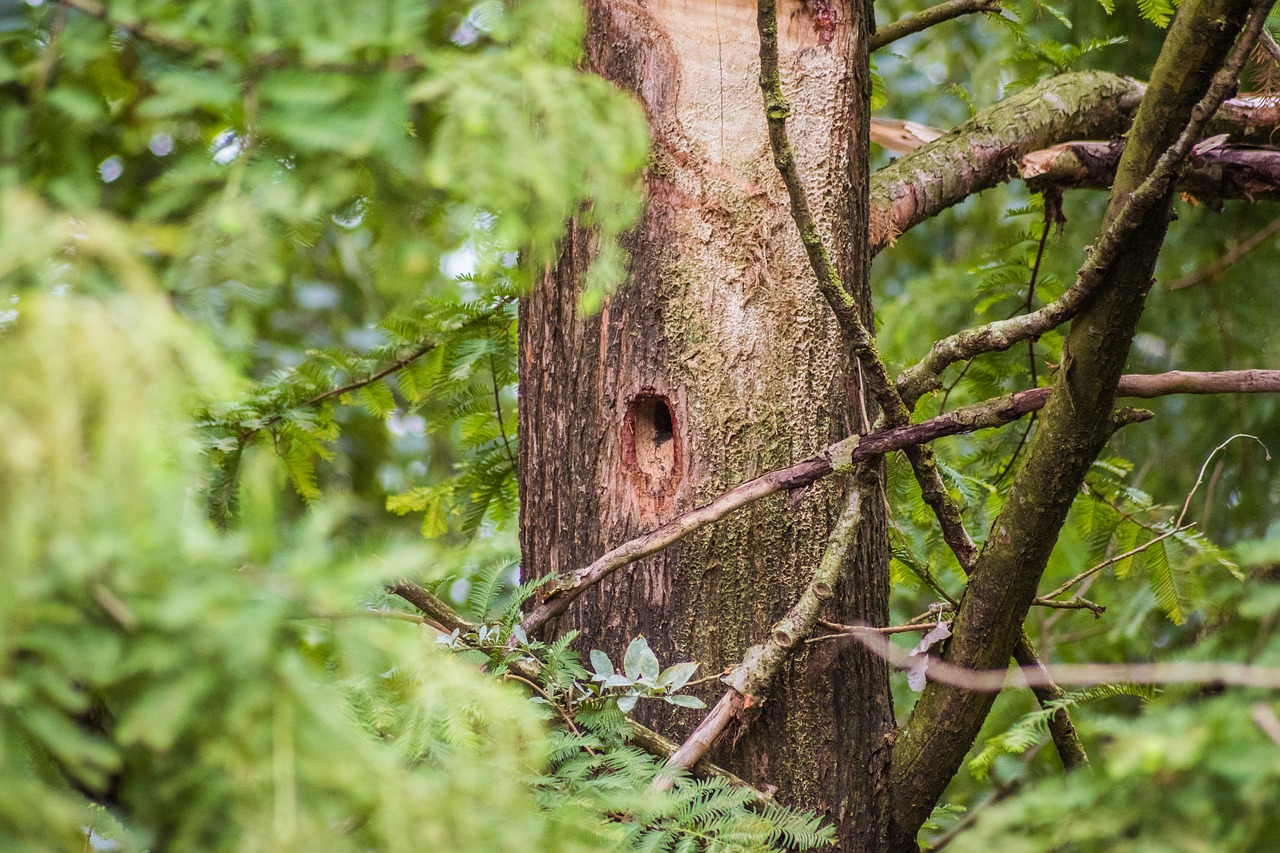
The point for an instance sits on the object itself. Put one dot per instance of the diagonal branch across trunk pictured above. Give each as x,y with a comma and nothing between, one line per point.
844,454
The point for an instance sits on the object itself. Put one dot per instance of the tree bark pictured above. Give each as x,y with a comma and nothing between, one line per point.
716,361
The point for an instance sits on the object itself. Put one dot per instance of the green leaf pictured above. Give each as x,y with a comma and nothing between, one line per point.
677,675
648,664
631,661
601,664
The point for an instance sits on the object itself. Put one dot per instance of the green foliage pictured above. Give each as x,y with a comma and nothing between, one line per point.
244,242
194,682
1033,728
603,785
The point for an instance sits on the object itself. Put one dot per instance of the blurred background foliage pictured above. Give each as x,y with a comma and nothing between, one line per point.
259,263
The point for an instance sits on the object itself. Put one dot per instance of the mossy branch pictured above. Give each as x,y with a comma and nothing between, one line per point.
830,284
987,149
1126,216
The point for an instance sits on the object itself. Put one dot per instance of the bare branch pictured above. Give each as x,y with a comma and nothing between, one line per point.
762,662
1267,721
1221,172
932,16
1149,385
439,612
728,709
991,413
1111,561
1079,674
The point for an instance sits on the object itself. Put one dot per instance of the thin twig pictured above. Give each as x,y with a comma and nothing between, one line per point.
497,405
356,385
564,715
846,630
1200,479
1214,269
1116,559
932,16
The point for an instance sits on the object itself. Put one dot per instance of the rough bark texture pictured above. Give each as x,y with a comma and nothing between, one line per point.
717,361
1074,426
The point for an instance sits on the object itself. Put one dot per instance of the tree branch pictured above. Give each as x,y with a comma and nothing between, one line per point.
1215,174
830,284
355,385
643,737
861,342
932,16
1125,217
985,151
1214,269
991,413
1078,674
1187,87
762,662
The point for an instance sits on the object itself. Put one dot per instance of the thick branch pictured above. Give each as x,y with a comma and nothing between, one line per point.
663,747
1127,216
728,709
1186,90
985,151
1147,386
932,16
1225,172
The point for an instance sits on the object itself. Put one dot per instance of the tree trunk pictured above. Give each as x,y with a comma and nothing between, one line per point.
716,361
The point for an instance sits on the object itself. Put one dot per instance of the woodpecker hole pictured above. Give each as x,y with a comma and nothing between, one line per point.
652,448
